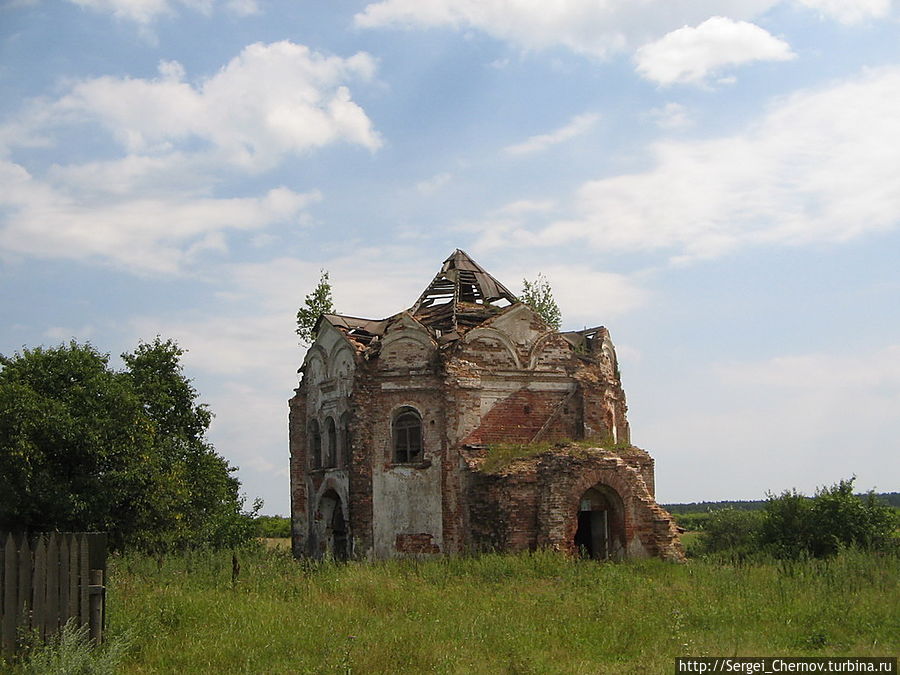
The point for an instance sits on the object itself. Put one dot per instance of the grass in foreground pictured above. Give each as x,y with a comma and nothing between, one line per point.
534,613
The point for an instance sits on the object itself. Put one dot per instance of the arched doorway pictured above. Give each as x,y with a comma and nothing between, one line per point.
334,539
601,524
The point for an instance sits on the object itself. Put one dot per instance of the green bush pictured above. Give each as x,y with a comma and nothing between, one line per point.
272,527
795,526
731,530
785,527
692,521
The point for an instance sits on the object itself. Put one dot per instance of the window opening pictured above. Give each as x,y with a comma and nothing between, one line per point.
315,444
331,441
345,440
407,432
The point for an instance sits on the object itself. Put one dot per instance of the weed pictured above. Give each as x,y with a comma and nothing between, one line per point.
71,652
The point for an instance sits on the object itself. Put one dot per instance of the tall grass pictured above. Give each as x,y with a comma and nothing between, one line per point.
69,652
533,613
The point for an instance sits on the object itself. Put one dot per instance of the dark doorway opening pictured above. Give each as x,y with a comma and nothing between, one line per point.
335,538
592,537
600,534
339,534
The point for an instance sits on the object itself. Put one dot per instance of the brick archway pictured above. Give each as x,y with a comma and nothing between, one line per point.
565,483
333,524
600,524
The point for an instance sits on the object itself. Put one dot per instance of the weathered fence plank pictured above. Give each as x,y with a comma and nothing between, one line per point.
10,594
64,578
73,577
46,579
96,609
84,566
51,624
39,607
24,583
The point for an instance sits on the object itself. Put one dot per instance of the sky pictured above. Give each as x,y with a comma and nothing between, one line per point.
716,182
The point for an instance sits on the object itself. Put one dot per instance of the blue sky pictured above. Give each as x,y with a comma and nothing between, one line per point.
718,183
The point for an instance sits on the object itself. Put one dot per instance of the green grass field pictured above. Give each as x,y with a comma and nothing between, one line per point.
538,613
534,613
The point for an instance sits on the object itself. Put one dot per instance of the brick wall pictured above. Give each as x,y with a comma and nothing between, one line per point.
416,544
519,417
535,503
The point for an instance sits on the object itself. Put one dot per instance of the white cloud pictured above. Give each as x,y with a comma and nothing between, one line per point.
140,11
820,166
583,26
243,7
829,375
270,100
526,206
850,11
579,125
509,223
433,184
159,234
611,294
671,117
154,209
692,55
147,11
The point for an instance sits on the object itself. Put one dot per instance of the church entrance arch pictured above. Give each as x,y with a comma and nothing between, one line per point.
334,538
600,534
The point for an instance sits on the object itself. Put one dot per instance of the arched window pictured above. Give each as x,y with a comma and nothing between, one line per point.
315,444
330,443
407,433
345,439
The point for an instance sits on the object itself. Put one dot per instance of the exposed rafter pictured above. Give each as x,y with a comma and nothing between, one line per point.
462,294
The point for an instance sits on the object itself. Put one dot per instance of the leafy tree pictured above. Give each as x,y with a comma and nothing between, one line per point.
209,503
785,527
820,526
539,296
317,303
83,447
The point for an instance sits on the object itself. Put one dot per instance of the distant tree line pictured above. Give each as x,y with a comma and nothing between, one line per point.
792,525
889,498
272,527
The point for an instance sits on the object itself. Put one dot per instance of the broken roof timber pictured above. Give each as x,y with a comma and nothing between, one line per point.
461,293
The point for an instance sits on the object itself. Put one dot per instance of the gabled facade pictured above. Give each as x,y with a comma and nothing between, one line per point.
396,424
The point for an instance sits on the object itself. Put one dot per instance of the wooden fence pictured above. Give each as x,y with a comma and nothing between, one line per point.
47,579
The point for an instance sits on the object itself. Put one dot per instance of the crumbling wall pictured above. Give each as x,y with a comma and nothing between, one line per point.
503,509
298,471
566,476
324,396
534,503
406,498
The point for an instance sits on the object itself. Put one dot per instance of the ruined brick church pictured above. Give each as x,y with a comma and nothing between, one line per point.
400,427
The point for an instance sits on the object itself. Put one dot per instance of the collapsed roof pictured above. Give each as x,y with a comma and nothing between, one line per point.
461,296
